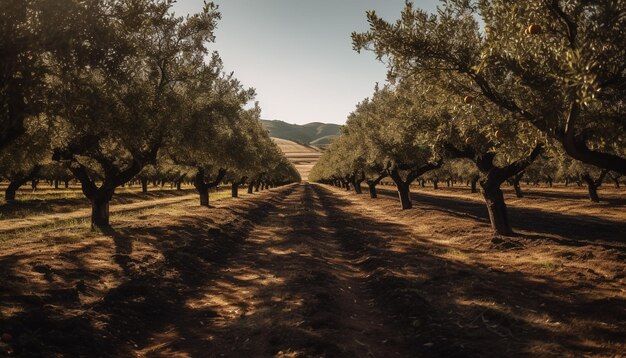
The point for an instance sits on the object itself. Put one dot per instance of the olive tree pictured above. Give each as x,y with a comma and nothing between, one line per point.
117,111
555,65
32,32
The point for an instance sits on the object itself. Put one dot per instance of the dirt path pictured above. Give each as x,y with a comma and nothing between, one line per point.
310,271
291,290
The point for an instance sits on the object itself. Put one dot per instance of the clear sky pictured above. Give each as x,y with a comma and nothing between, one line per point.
298,53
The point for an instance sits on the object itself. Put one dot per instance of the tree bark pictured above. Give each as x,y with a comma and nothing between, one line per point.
204,195
250,187
372,189
593,193
202,187
575,146
494,176
144,186
402,187
100,211
473,183
515,181
235,186
593,185
405,195
11,190
496,208
371,184
16,183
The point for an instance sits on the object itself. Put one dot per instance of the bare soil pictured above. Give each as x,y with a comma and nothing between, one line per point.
311,270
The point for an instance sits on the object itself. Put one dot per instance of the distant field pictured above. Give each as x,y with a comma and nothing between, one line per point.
303,157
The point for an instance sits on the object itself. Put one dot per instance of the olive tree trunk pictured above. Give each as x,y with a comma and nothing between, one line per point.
593,185
515,181
11,190
371,184
144,185
202,186
473,183
403,185
494,176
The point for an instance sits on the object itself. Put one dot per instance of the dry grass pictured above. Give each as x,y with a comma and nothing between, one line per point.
312,270
302,157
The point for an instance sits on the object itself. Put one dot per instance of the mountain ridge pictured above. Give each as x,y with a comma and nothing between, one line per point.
314,133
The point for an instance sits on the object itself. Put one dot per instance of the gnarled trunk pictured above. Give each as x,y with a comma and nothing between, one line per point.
203,187
494,177
593,185
16,183
402,186
100,210
371,184
11,190
405,195
496,208
574,144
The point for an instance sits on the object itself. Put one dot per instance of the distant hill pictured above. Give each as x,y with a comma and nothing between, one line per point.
317,134
302,156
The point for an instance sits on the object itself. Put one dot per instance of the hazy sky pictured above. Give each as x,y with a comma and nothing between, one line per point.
298,53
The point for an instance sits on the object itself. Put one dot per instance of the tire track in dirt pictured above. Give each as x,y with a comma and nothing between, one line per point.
293,291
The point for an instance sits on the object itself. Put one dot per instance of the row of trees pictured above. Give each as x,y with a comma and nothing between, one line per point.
116,90
494,84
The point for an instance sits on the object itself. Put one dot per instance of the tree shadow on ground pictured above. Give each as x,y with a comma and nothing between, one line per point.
25,208
271,278
456,308
572,230
148,298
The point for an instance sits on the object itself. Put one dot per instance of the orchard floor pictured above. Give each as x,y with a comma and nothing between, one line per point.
312,270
